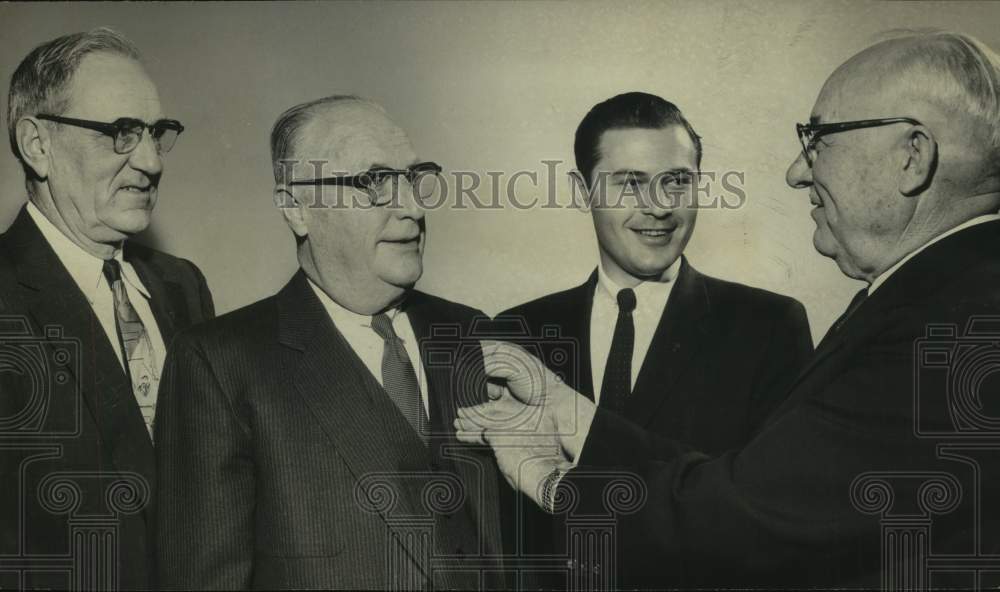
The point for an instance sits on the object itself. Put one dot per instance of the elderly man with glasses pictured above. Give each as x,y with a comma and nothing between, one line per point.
305,440
880,467
90,312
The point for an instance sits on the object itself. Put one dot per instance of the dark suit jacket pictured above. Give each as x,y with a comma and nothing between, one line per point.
284,464
853,447
718,363
73,440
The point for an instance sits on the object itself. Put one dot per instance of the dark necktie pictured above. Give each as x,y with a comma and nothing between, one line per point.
136,347
842,319
398,378
617,383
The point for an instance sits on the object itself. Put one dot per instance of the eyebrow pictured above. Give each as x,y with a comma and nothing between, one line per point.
629,173
379,165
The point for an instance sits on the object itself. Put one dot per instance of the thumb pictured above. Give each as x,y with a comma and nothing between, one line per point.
526,377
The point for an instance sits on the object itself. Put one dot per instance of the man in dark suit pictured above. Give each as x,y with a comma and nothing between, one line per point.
689,356
879,468
87,316
305,441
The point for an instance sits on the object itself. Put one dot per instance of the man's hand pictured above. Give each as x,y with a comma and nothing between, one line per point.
521,436
534,423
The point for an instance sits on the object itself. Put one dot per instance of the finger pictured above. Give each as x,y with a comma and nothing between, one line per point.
505,360
469,434
483,410
467,437
467,425
495,391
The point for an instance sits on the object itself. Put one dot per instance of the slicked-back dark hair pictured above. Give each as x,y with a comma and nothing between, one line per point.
628,110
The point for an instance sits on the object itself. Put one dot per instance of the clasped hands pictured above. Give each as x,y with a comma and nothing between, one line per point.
534,423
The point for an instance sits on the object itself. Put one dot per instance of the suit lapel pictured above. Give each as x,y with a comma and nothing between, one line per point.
684,328
55,301
579,304
166,297
908,285
474,465
360,421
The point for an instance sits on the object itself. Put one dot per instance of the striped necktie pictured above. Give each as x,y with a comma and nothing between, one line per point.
398,377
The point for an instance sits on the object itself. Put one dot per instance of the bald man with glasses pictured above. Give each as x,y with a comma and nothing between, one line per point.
879,468
96,309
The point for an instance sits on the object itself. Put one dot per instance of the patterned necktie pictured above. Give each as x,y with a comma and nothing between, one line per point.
617,383
398,378
136,347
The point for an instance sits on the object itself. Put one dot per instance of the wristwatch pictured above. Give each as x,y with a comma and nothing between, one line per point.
549,489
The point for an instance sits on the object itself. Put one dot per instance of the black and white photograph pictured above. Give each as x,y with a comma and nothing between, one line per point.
545,295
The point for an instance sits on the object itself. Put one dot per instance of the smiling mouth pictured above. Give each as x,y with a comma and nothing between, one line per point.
651,232
136,188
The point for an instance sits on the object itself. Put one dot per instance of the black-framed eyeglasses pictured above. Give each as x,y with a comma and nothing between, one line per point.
127,131
810,132
379,183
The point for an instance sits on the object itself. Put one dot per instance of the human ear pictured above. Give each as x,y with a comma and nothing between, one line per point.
32,140
921,161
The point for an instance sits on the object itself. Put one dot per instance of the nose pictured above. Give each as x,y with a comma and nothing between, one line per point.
660,203
408,204
799,173
146,157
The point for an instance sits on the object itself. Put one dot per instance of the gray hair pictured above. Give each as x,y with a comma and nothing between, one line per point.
285,132
40,81
957,73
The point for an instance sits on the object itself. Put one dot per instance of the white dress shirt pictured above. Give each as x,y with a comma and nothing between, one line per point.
967,224
357,330
87,271
650,302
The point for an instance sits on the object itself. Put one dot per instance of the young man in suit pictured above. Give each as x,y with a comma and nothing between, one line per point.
305,441
90,312
879,468
682,354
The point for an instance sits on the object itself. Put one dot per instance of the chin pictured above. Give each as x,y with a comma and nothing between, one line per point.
655,269
131,223
403,277
824,245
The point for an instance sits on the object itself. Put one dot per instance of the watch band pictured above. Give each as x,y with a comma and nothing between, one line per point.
549,489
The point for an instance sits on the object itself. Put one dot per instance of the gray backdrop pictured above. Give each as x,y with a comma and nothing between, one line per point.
488,87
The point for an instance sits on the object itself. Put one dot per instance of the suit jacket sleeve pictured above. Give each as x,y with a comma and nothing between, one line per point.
788,350
784,500
206,478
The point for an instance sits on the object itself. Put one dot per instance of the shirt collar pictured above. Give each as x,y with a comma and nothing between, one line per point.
648,294
343,317
86,269
967,224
